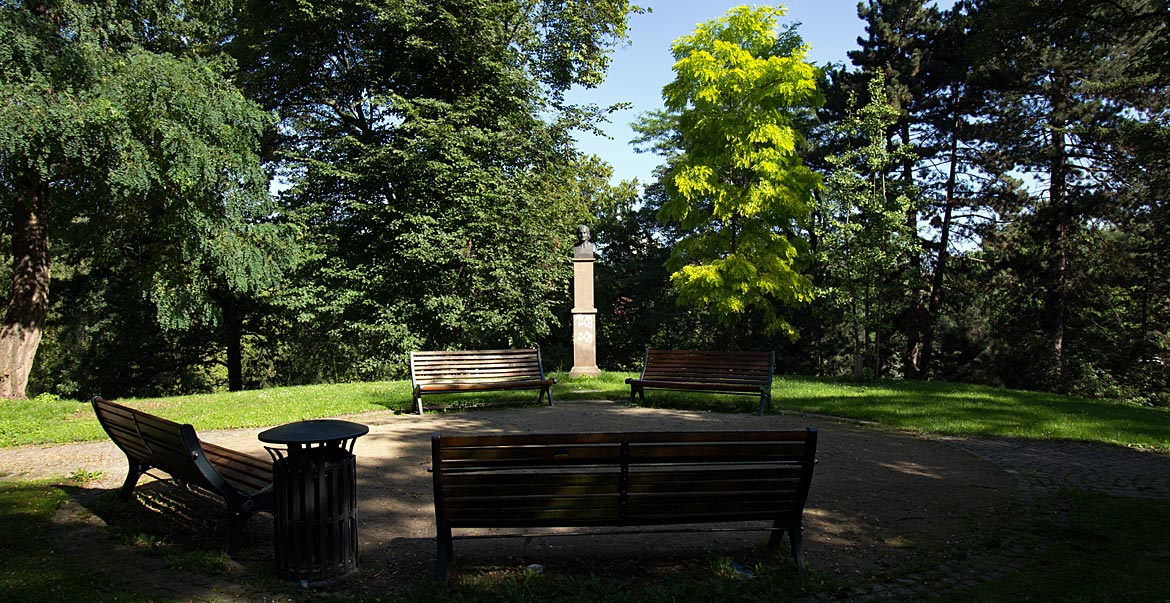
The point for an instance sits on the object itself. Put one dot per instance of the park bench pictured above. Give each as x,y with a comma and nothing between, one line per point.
243,481
622,480
477,370
708,371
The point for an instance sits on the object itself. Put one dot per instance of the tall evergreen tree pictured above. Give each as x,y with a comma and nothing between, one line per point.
898,45
949,174
1060,96
1039,113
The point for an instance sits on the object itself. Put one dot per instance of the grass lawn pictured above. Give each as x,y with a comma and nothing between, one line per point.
934,407
1108,549
31,569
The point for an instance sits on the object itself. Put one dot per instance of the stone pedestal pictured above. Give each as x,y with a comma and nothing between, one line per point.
584,320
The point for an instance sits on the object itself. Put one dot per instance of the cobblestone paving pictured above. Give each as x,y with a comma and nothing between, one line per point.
1044,466
1040,469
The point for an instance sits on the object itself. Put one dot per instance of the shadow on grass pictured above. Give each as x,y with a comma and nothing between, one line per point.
1101,549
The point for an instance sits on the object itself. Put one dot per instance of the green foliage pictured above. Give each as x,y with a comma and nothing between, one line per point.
1059,104
429,189
136,145
735,182
134,154
428,151
863,232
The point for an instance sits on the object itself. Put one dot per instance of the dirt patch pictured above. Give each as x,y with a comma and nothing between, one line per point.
879,500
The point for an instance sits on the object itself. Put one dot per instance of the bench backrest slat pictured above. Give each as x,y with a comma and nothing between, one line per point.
153,440
244,472
453,442
578,480
475,366
708,366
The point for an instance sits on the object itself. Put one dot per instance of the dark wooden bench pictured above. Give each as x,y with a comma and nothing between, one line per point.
708,371
614,480
477,370
244,481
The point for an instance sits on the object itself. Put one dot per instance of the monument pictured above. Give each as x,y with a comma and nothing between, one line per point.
584,314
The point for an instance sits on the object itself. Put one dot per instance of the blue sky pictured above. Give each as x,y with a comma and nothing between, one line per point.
642,67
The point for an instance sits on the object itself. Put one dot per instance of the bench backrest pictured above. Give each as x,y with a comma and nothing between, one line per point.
615,479
710,366
160,443
475,366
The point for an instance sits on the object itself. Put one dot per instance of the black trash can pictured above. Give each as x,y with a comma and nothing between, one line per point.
316,516
315,500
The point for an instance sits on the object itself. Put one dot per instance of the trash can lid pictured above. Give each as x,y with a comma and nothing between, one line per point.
314,431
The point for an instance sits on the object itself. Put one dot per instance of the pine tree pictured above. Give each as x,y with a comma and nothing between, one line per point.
898,46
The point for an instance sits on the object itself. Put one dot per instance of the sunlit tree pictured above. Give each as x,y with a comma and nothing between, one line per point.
735,181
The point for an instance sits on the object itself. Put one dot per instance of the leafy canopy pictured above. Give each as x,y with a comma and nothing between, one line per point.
735,181
143,149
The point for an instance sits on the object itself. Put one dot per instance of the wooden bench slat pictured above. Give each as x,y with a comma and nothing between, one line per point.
489,352
699,373
463,371
466,370
243,481
646,437
245,472
476,376
621,479
684,385
547,519
534,499
706,371
473,385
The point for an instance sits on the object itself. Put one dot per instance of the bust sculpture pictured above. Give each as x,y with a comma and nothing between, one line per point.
584,247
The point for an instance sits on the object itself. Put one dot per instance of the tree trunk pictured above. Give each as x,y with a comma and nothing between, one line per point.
1057,288
915,323
944,254
233,324
24,322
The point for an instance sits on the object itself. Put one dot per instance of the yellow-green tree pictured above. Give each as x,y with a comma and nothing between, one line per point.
737,186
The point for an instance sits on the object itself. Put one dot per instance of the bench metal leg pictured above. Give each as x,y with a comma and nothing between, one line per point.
444,554
236,533
795,540
418,404
765,401
133,474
